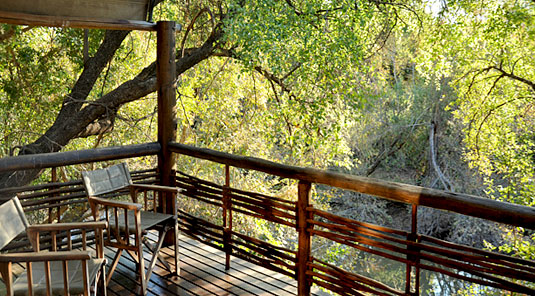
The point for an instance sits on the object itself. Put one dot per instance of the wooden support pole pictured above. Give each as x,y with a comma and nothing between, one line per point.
166,79
166,73
303,252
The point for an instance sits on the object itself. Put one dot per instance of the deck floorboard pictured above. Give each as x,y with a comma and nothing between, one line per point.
202,273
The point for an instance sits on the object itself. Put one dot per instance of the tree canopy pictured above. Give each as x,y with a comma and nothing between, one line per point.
307,54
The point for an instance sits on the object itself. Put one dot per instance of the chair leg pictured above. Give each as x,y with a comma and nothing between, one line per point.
133,255
7,275
160,257
177,260
156,251
114,265
141,265
101,282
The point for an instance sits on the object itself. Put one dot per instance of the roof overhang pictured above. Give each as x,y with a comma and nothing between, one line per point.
101,14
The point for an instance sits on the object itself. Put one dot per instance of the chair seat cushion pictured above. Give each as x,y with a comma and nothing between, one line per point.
149,220
75,277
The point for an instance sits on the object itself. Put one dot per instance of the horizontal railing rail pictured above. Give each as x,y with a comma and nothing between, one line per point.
57,159
222,236
465,204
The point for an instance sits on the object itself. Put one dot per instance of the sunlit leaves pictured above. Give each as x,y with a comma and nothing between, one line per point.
36,72
487,46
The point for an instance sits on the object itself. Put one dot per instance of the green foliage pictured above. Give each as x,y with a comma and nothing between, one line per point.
519,244
317,49
487,47
35,72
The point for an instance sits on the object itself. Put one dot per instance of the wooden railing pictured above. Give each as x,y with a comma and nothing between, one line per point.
54,195
50,202
417,252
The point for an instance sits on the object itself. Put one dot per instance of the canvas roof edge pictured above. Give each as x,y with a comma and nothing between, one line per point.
17,18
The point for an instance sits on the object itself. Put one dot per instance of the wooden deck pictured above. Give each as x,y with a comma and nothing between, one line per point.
202,272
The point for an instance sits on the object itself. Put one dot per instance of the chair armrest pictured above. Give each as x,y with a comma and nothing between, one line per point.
115,203
45,256
67,226
156,188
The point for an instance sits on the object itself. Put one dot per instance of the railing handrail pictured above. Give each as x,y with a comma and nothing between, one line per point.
57,159
466,204
497,211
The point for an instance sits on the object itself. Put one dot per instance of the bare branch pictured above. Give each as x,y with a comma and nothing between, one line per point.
11,32
494,84
275,79
443,179
289,2
513,76
192,23
286,119
486,117
295,67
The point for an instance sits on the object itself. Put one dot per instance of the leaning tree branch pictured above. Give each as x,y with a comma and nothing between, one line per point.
67,124
60,133
77,114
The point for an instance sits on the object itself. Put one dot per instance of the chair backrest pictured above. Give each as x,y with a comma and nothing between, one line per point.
12,220
106,180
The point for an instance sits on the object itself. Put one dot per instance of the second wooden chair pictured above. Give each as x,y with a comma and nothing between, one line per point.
129,222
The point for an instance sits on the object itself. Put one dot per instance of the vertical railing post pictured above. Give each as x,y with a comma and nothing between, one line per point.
414,234
227,218
53,179
166,82
413,259
303,251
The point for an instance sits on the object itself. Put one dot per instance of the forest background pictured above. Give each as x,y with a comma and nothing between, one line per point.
432,93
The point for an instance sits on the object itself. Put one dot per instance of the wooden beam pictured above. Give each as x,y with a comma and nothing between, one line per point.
465,204
166,69
166,78
16,18
57,159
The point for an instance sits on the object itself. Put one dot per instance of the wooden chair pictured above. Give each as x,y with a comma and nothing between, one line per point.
68,272
128,224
